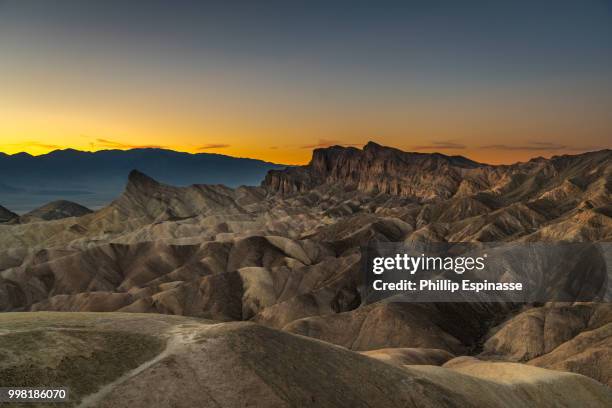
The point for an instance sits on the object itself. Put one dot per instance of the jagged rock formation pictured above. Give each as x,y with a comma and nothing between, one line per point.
287,255
377,169
566,197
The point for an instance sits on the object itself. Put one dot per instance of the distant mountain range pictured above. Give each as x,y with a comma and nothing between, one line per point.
95,178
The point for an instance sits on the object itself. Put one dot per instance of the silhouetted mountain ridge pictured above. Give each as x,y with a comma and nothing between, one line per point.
95,178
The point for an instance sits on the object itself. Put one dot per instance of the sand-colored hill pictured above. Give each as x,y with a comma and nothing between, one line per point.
121,360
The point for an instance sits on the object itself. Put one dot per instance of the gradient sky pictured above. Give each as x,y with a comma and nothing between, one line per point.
495,81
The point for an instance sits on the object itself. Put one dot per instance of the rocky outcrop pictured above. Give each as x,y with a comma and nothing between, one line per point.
377,169
429,177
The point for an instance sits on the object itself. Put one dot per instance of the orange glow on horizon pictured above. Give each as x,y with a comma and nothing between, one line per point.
291,155
274,91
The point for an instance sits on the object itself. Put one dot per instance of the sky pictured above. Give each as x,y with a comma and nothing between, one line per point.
498,82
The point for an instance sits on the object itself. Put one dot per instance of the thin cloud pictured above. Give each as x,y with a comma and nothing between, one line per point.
541,146
586,148
328,143
213,146
35,144
533,146
118,145
44,145
441,145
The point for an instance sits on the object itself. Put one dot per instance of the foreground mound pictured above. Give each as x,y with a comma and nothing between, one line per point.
186,362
